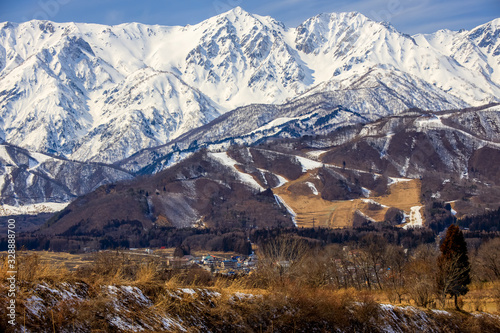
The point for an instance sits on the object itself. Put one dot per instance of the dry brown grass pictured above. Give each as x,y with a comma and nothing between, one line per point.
339,214
483,297
224,303
31,268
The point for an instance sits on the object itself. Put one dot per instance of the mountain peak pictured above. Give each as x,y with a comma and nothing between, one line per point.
236,12
495,23
342,16
234,15
328,21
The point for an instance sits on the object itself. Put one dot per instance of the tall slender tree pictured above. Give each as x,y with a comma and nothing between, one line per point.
454,268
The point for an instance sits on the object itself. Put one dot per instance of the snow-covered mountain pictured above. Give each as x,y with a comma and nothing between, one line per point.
101,93
450,155
310,115
144,97
349,45
32,182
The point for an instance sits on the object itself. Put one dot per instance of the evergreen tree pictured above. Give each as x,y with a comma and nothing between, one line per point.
453,265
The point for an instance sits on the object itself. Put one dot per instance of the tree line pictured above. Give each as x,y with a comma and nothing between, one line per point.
427,275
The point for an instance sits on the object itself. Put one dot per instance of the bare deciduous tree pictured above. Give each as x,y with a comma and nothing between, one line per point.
420,275
488,259
394,279
281,257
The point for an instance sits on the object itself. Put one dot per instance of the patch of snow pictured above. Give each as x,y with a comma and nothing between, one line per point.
4,155
374,202
393,180
387,307
387,143
241,296
279,200
173,160
273,123
125,326
441,312
316,153
188,291
436,195
415,218
405,218
37,159
313,188
282,180
169,323
308,164
112,289
366,192
365,216
33,209
34,305
229,162
404,170
137,293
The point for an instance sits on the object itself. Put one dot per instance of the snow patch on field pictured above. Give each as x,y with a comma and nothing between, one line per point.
124,325
415,218
393,180
374,202
365,216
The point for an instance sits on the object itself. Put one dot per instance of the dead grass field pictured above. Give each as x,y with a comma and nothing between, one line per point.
312,210
59,259
72,262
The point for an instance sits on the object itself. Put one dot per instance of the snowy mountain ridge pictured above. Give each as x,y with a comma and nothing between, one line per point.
101,93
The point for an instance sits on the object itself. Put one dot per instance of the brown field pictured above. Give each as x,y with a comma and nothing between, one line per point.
72,262
339,214
58,259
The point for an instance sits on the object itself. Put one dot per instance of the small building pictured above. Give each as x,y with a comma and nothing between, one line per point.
229,264
207,260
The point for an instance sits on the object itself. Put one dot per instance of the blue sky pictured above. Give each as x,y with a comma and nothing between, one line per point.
408,16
